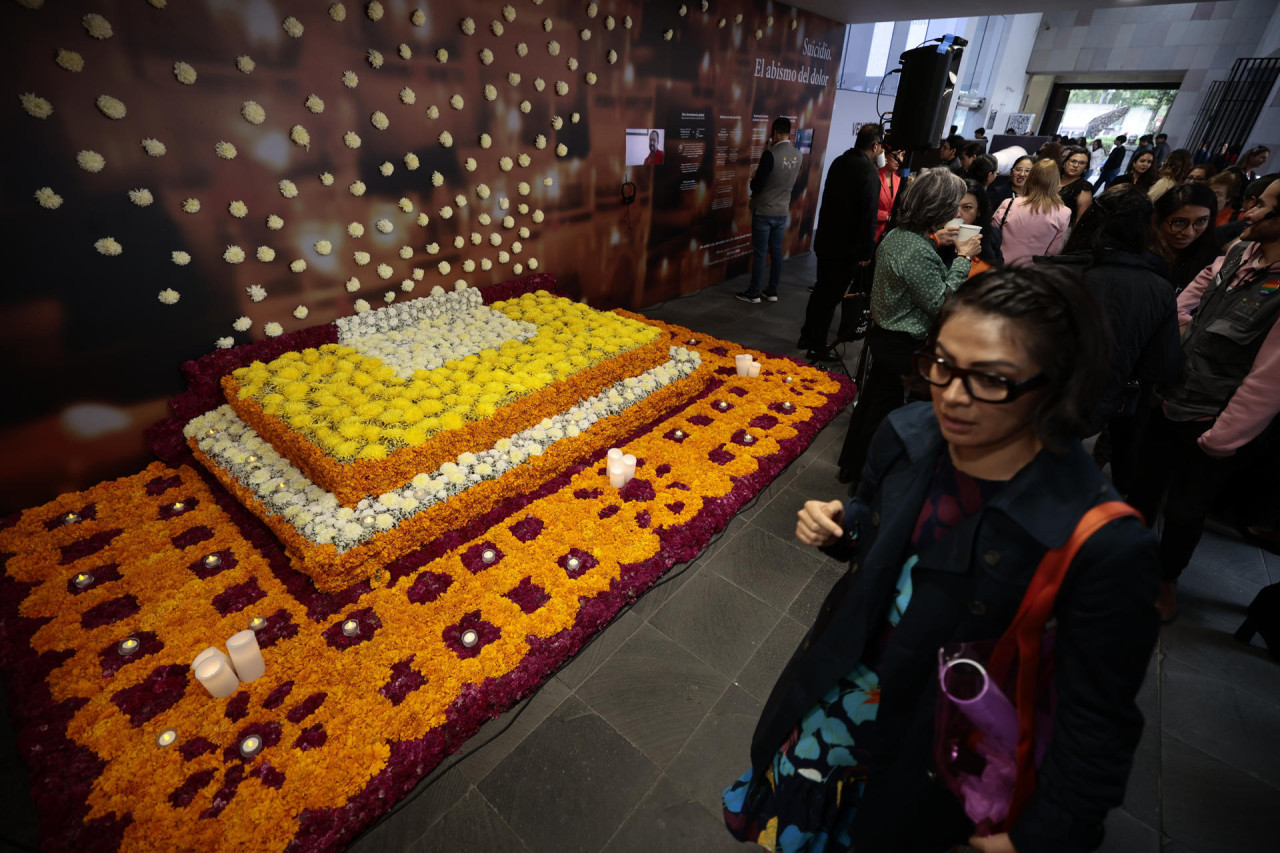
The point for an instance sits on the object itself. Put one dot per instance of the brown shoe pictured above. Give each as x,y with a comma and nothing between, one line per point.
1167,602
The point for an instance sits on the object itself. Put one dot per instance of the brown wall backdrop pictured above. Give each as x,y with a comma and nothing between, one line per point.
91,353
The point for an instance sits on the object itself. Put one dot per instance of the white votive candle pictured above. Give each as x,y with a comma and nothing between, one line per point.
70,518
246,656
488,555
742,363
83,579
753,369
573,564
470,637
217,676
128,646
212,561
250,746
257,623
350,628
166,737
629,466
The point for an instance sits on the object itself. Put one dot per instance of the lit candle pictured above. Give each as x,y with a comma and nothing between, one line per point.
250,746
420,494
70,518
617,475
129,646
166,737
722,405
178,506
212,561
83,579
573,564
692,341
753,369
629,465
488,555
786,407
742,363
747,439
251,458
351,627
470,637
209,431
679,433
245,655
215,673
257,623
279,486
787,380
368,521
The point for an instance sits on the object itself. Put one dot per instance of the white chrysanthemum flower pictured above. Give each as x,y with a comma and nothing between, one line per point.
301,312
524,160
297,266
557,122
361,258
584,34
407,285
405,205
513,78
411,161
338,12
433,248
272,329
275,223
351,139
538,216
384,271
456,102
496,28
459,242
590,77
446,139
572,63
238,209
389,296
522,50
327,178
184,73
353,284
562,88
612,56
361,306
180,258
233,255
446,212
245,64
191,205
423,219
374,11
406,253
547,24
407,96
522,208
444,267
433,112
70,60
533,263
506,164
225,150
224,343
540,141
112,108
468,26
356,188
759,34
768,22
737,19
516,248
169,296
486,264
495,238
484,219
288,188
485,140
503,257
437,179
460,200
97,26
384,225
350,79
592,10
300,137
509,221
256,292
517,269
108,246
418,273
553,47
323,247
242,324
508,13
490,92
504,203
90,161
386,168
379,120
524,232
253,112
562,150
266,254
292,26
546,182
575,117
355,229
418,18
374,57
50,200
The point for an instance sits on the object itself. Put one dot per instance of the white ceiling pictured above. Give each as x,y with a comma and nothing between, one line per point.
861,11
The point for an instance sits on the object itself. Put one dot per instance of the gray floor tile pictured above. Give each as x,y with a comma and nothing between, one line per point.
1142,795
653,692
779,517
1210,807
569,784
1232,725
1127,834
669,819
472,825
1225,554
760,673
1213,599
717,621
604,645
818,481
770,569
1216,651
719,751
431,800
499,736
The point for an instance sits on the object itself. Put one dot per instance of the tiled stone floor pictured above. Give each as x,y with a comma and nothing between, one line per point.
628,747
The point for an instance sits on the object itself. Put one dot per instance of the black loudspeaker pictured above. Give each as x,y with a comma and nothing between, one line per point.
925,90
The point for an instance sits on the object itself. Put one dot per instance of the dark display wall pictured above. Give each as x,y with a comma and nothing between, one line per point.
187,175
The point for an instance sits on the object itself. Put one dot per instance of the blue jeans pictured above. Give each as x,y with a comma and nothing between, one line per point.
766,232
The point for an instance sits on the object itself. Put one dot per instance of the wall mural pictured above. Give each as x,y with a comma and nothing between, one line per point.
201,174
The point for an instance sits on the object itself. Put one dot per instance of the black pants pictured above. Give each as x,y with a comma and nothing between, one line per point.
883,391
834,278
1172,460
1127,433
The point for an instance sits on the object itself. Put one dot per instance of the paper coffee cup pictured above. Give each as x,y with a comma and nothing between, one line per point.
967,231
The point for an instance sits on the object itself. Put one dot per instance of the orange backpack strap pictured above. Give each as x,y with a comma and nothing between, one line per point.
1022,640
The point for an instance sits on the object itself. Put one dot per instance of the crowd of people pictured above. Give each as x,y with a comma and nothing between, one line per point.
1124,298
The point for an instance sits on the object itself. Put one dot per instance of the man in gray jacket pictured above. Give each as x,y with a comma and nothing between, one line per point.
770,197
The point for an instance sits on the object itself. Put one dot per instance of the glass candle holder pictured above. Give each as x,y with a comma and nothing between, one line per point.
70,518
350,628
257,623
212,561
129,646
82,580
470,637
246,657
166,737
250,746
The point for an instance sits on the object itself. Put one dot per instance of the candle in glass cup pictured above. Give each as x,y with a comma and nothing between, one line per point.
350,628
215,673
245,655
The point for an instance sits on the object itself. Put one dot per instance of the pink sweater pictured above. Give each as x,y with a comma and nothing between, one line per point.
1027,234
1257,400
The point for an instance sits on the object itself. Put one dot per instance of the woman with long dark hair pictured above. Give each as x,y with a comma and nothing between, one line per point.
1141,172
1076,192
975,209
961,499
1183,232
1015,185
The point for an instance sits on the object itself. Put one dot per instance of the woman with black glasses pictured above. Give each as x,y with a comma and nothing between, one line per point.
1075,191
1183,232
961,500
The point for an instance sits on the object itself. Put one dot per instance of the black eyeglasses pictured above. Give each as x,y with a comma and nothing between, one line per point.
983,386
1180,224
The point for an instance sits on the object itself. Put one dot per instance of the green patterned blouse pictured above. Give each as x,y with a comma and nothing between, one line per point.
911,282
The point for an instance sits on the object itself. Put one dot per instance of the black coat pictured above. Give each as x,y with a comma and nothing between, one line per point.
1115,159
850,202
1142,314
968,587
